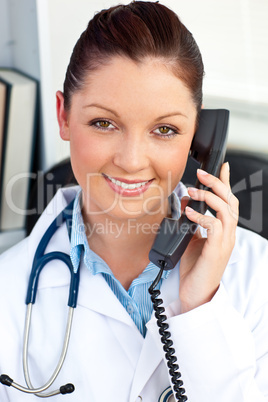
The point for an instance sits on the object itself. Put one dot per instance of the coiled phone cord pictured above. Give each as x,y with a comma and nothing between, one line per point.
165,339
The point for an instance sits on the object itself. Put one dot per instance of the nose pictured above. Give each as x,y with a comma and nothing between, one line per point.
132,153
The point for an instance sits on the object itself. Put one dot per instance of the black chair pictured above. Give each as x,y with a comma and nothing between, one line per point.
248,175
249,182
45,187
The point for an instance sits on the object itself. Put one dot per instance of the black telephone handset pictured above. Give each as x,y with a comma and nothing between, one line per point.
207,152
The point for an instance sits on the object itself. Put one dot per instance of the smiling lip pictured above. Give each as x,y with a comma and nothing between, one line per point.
127,188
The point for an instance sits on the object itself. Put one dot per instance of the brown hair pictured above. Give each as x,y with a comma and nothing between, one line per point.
137,30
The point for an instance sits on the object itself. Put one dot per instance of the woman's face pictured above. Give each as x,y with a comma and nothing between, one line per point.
130,131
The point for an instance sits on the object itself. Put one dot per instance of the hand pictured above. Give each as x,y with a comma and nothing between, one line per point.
205,259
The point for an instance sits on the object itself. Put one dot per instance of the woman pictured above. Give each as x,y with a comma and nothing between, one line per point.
130,107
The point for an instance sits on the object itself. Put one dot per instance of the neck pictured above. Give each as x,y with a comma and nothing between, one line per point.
117,233
124,244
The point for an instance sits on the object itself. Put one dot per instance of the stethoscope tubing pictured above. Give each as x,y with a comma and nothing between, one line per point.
39,261
61,360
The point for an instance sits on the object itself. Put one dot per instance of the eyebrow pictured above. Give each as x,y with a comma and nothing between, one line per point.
97,105
170,115
101,107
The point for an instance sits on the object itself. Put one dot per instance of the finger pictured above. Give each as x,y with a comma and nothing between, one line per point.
225,174
197,234
211,224
225,214
226,211
218,238
218,186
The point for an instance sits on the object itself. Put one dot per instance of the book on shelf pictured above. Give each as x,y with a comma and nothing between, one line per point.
18,108
2,116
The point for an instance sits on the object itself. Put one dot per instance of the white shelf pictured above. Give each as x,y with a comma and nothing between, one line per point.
10,238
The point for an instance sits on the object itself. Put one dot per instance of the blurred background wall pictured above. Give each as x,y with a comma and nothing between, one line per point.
37,37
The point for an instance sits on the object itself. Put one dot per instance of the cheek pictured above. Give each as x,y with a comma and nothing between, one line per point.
173,165
87,156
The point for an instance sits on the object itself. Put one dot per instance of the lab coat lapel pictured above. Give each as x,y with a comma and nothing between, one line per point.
149,359
95,294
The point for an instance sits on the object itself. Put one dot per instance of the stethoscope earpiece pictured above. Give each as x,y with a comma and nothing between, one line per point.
67,389
6,380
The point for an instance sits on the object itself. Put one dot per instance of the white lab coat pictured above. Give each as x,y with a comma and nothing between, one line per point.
222,346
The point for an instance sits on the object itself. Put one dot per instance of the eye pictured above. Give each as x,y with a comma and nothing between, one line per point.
166,131
102,124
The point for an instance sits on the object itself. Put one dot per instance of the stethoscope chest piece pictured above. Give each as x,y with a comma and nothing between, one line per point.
167,396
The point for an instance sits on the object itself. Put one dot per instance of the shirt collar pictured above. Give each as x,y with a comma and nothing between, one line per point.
78,233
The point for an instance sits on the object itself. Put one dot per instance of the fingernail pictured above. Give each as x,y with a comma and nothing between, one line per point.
201,171
189,209
228,166
192,189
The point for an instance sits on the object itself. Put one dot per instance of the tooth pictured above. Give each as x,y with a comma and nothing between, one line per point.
126,186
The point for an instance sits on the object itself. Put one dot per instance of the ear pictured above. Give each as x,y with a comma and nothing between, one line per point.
62,117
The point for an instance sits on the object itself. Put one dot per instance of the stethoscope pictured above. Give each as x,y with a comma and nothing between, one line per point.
40,260
167,396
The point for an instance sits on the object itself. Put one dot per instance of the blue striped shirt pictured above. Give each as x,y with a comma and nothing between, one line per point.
136,300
